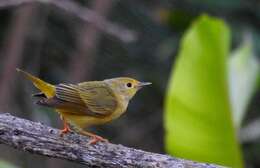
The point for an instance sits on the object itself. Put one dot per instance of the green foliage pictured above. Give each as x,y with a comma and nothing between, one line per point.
198,117
4,164
243,76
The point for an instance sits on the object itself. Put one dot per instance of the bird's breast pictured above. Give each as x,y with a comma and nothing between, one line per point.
121,108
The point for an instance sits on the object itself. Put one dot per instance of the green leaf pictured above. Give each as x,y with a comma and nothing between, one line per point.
198,118
243,76
4,164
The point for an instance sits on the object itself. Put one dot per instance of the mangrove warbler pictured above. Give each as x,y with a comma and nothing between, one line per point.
87,103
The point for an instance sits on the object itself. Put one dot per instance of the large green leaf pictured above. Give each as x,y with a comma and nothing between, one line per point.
198,118
243,76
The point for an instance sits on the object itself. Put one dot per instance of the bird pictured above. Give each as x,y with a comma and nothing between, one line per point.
86,104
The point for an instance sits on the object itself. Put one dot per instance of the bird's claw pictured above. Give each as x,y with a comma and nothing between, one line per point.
95,139
64,131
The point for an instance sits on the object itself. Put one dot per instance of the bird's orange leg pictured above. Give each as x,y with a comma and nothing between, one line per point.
66,128
95,138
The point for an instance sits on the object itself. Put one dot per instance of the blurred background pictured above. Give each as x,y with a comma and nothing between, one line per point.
74,41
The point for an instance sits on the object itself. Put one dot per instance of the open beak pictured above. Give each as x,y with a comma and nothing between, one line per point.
142,84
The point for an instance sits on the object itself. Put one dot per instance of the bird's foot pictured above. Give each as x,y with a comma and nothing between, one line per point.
95,139
66,128
64,131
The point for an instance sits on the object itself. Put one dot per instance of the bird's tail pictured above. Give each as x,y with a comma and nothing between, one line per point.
47,89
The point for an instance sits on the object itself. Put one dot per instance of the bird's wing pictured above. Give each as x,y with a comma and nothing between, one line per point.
96,97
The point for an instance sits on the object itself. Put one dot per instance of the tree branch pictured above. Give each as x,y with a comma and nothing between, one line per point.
40,139
85,14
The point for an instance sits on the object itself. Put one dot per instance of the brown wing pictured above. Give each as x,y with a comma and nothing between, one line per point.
94,96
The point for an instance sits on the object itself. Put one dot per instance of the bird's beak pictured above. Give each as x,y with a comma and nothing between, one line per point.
142,84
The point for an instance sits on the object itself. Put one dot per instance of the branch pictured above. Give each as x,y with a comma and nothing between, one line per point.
40,139
84,14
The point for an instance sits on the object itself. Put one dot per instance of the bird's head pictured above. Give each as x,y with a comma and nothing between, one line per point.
125,87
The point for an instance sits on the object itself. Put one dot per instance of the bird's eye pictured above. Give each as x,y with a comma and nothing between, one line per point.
129,85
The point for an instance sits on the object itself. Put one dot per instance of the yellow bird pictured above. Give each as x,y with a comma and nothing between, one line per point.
88,103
